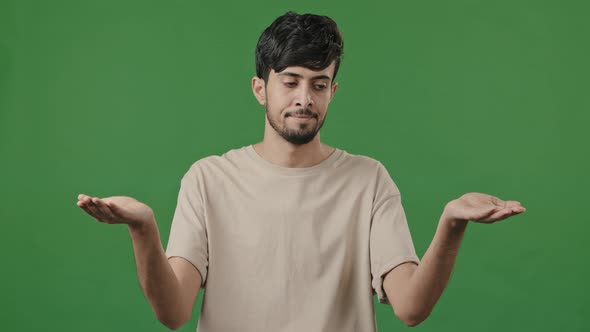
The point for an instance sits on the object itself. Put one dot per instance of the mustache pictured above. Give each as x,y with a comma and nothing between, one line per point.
303,112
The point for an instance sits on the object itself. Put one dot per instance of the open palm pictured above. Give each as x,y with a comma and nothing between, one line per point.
482,208
116,209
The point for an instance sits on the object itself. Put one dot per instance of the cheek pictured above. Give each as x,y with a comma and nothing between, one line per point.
322,105
279,102
323,100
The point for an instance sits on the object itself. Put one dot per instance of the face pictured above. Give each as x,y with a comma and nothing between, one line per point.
296,101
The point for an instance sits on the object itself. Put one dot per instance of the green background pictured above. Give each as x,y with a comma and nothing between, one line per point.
121,97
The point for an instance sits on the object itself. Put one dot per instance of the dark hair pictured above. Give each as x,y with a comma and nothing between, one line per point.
307,40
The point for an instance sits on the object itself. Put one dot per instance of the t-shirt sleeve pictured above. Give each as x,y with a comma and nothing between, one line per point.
188,232
390,240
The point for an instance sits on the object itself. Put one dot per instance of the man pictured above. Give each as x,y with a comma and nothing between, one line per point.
290,234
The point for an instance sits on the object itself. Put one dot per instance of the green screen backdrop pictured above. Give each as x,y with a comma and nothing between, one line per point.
121,97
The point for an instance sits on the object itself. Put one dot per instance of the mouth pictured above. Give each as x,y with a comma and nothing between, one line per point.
301,118
300,115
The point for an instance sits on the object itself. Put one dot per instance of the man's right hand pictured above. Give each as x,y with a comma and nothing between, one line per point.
116,210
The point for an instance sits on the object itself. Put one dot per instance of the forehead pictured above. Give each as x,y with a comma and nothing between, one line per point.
305,73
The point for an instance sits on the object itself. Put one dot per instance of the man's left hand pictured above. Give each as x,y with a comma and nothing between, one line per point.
481,208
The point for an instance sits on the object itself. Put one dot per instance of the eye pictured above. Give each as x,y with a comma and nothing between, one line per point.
290,84
320,87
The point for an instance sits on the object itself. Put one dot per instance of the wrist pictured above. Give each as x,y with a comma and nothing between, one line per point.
142,226
452,222
455,224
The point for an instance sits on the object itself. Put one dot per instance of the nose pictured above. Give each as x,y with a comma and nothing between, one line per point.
304,97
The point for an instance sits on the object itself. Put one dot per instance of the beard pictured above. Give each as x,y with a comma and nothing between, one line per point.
305,131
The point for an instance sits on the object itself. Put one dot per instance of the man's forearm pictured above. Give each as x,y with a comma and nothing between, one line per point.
413,290
433,273
156,277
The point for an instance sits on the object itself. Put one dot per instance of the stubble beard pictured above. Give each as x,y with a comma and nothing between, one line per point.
303,135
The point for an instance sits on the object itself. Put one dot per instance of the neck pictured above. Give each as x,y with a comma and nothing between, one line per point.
285,154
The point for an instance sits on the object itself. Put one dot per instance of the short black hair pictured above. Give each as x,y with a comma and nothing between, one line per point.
307,40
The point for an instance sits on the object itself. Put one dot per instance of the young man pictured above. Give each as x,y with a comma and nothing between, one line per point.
290,234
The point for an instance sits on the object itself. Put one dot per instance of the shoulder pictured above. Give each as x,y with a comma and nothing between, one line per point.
370,167
212,163
363,163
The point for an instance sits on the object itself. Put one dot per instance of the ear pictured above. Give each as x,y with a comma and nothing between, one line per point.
259,89
334,87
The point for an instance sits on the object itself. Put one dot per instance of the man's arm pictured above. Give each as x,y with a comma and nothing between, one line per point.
170,286
414,290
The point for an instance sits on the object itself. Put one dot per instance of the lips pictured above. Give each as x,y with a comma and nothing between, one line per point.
300,116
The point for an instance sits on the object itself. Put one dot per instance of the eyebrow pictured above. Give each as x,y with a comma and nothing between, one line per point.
318,77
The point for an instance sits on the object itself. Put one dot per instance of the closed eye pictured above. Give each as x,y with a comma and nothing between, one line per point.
318,87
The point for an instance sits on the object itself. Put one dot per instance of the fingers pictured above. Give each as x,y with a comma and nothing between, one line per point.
513,204
518,209
504,213
497,202
504,204
83,203
484,214
95,207
514,207
91,206
500,215
505,209
104,210
111,205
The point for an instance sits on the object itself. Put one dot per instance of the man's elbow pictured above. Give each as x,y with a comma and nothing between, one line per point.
412,319
173,324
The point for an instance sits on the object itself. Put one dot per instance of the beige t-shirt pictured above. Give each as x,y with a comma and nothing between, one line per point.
290,249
